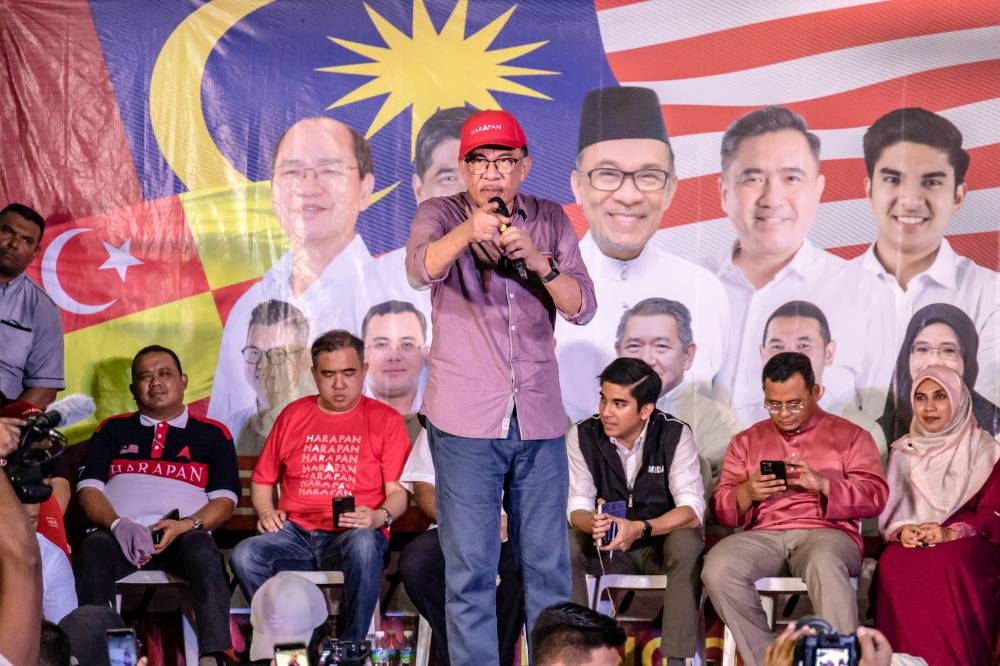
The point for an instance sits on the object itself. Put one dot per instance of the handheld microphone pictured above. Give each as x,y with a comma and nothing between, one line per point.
519,266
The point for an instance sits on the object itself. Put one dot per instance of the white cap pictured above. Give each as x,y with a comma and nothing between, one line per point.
286,609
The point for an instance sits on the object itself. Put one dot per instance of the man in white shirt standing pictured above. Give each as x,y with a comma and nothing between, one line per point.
916,183
321,180
625,180
770,188
645,462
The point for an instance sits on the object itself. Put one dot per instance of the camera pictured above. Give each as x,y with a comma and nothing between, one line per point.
344,653
826,647
31,463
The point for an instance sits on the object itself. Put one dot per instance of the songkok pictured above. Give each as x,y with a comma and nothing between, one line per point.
621,112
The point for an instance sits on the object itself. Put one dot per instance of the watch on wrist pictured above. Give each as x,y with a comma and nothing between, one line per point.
198,523
388,518
552,274
647,529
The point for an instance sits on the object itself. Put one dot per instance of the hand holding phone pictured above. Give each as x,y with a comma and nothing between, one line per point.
291,654
616,509
342,505
123,648
173,514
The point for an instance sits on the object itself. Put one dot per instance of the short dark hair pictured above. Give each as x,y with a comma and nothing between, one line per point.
54,648
443,124
28,213
642,381
274,312
152,349
568,633
803,309
659,306
764,121
393,307
783,366
337,339
916,125
359,144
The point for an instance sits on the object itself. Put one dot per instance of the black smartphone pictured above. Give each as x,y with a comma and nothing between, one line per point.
342,505
776,467
291,654
617,509
173,514
123,648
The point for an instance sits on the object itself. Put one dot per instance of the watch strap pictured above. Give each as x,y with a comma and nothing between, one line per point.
647,529
199,524
552,274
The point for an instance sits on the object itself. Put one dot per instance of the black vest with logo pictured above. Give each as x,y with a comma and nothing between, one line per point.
650,495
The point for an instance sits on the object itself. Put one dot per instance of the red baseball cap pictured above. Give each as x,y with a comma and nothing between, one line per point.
491,128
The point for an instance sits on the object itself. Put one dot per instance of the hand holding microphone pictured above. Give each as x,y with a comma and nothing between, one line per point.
519,265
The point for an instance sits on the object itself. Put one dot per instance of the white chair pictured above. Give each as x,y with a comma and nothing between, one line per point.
599,586
148,582
769,589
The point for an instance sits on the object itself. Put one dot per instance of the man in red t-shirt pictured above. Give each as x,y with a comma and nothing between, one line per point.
335,444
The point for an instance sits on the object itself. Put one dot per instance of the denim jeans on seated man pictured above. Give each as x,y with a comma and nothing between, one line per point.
358,552
471,474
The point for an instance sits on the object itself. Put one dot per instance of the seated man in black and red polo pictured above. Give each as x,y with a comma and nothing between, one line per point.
141,467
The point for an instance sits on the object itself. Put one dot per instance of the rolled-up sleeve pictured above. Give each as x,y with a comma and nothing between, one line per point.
582,491
570,262
684,479
428,226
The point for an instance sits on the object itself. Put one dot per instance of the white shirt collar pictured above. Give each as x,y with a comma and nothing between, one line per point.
637,446
355,253
179,421
804,262
944,270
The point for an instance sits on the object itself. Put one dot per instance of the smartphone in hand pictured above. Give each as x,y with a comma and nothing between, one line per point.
342,505
617,509
291,654
123,648
173,514
776,467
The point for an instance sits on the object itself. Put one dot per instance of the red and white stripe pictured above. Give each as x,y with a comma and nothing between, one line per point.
841,64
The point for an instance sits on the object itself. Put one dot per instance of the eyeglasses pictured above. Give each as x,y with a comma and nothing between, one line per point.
792,406
948,350
405,347
274,355
327,174
607,179
504,165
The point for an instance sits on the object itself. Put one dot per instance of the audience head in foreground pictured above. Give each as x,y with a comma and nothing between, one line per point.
568,634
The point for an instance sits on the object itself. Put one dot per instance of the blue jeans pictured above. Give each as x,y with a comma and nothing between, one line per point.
471,475
357,552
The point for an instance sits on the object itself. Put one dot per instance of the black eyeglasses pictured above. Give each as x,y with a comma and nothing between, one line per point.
504,165
607,179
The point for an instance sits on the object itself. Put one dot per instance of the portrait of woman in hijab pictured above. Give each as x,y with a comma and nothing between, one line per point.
938,580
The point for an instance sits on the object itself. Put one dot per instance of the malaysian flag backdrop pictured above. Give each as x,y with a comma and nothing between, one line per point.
142,131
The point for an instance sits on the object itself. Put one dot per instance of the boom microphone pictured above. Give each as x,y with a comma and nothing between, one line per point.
67,411
519,266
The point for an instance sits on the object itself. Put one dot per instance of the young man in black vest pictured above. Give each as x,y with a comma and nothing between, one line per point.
634,454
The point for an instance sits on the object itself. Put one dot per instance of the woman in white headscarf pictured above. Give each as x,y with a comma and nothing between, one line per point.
938,589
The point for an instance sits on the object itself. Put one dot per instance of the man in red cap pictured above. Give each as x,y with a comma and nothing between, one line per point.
498,274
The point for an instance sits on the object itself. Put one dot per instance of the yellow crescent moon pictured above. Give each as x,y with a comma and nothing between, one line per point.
175,108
